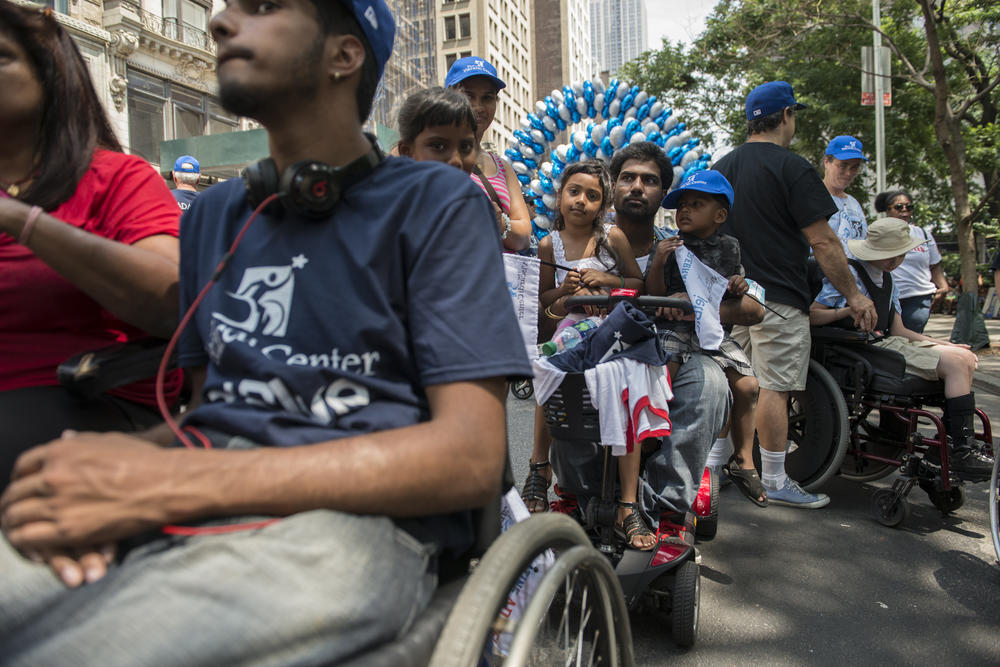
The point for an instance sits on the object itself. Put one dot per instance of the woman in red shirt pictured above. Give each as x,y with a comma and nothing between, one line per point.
88,241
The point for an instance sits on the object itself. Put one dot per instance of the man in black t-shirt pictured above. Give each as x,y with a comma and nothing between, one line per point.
780,212
185,175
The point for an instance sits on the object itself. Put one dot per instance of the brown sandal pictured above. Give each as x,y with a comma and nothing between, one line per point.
536,488
632,526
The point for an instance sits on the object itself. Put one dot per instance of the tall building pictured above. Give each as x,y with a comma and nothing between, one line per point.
565,60
497,30
413,64
617,32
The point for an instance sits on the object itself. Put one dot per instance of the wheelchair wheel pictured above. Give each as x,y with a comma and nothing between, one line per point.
946,501
575,616
888,509
522,389
818,428
995,505
686,599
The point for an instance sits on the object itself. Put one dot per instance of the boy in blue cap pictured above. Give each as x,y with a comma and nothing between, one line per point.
352,425
703,201
841,165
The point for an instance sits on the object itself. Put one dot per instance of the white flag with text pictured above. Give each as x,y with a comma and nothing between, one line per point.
705,288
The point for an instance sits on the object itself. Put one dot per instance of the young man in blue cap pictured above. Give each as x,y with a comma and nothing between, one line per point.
841,165
780,211
352,423
185,175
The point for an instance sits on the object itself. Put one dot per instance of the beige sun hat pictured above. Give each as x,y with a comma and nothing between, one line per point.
887,237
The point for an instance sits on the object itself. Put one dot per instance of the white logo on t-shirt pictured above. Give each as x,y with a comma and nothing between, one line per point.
265,294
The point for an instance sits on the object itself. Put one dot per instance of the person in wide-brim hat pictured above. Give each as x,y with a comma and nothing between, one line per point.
929,358
887,237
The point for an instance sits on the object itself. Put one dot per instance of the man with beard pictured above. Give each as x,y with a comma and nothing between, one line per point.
641,174
351,425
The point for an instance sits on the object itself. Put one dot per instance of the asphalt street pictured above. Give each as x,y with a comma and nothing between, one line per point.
783,586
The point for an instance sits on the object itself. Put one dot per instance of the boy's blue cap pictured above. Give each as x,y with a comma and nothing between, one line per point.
472,66
187,165
845,147
378,25
769,97
709,181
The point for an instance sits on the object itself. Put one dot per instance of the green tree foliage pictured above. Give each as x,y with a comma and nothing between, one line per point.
816,46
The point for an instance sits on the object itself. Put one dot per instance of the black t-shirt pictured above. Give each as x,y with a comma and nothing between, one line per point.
777,194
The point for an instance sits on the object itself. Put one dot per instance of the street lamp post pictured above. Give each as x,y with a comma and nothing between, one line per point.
879,97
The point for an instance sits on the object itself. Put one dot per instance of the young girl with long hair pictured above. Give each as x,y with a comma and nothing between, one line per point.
599,258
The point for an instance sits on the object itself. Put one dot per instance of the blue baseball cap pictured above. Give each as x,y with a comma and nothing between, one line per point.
379,26
845,147
472,66
769,97
187,165
708,181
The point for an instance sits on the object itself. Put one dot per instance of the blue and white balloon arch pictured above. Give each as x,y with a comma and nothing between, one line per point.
620,114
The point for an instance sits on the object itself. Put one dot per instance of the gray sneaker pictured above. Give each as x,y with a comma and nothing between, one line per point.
793,495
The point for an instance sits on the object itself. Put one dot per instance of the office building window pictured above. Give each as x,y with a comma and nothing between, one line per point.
449,27
160,110
464,26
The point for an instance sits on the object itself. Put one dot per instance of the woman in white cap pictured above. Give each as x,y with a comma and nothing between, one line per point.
877,256
920,278
478,79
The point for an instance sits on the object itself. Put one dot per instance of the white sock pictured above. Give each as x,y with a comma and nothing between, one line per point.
773,469
720,452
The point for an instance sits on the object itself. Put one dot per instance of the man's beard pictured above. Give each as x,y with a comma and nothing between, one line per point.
254,101
636,210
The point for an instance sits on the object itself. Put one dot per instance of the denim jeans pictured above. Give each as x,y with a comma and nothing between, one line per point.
916,311
312,589
673,473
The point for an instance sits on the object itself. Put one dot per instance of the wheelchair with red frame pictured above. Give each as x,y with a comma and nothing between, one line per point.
861,416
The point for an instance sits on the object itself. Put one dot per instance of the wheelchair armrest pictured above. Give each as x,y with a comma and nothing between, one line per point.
90,374
837,335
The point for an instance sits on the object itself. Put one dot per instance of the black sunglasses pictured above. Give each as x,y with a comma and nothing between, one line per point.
902,207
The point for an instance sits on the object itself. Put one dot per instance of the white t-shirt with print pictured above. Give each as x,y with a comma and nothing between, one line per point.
913,277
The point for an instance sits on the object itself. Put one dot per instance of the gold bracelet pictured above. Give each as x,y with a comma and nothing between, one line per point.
552,316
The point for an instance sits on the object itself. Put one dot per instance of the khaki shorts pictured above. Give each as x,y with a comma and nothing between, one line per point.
921,357
778,348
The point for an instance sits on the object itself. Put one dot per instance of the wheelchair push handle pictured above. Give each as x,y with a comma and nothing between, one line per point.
648,304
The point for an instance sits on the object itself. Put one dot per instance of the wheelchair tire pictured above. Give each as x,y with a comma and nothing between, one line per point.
685,603
889,510
522,389
577,604
819,428
994,501
946,501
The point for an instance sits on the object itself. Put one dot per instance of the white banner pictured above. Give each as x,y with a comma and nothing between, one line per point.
706,288
522,281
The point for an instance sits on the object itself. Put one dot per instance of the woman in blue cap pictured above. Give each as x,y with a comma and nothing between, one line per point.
478,79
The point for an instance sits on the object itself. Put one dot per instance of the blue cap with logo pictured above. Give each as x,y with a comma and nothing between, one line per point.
379,26
708,181
769,97
187,165
472,66
845,147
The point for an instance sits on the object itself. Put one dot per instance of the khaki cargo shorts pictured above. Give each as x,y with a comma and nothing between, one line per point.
921,357
778,348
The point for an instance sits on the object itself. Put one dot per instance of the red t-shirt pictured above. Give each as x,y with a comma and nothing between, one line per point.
45,319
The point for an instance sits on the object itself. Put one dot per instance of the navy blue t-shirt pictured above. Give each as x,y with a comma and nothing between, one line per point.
321,330
184,197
